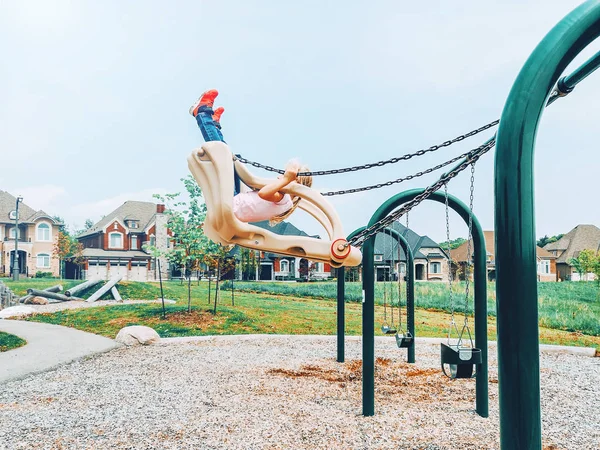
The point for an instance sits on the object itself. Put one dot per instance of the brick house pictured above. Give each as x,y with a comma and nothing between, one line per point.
582,237
37,234
430,260
546,262
272,266
113,246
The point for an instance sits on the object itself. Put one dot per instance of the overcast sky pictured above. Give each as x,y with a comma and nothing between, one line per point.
95,98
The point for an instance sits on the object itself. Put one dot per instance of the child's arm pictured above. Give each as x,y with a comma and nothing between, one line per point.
271,193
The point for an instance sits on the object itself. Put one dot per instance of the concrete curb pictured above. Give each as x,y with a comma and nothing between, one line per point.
48,347
582,351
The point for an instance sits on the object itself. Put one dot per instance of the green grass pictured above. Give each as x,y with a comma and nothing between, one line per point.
569,312
568,306
10,341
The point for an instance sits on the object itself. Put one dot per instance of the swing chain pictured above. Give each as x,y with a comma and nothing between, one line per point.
398,180
400,287
450,277
469,240
369,232
395,160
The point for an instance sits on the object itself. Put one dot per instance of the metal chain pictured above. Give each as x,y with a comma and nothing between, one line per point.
399,180
369,232
470,238
395,160
450,277
400,287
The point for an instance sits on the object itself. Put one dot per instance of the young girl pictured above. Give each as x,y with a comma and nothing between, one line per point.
268,203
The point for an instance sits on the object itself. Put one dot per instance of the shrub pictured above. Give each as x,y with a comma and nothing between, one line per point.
39,274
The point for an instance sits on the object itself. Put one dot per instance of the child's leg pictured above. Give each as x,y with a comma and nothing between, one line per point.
209,128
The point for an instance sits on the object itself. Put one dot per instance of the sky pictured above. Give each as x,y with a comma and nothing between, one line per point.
95,98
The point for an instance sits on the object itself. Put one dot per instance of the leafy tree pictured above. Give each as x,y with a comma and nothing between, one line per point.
548,240
454,243
68,248
156,253
216,257
185,221
88,224
62,228
584,263
248,263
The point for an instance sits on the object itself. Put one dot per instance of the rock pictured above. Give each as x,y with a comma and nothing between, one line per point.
38,301
137,334
16,311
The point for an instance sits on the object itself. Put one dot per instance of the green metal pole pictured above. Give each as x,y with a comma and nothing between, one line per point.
410,289
516,281
341,311
570,81
368,327
480,294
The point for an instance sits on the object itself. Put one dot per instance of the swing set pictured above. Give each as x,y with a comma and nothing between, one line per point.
537,86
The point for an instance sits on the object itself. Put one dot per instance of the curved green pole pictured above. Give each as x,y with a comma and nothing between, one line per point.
480,276
410,289
516,281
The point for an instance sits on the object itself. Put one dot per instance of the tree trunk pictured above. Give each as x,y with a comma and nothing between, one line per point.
162,295
209,286
189,274
217,285
232,297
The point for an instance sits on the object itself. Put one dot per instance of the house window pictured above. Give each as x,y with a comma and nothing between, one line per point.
134,243
284,266
378,258
115,226
435,267
544,267
152,240
43,260
43,232
116,240
133,224
401,268
11,233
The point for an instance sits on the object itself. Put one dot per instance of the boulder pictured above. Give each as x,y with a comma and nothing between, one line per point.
137,334
16,311
38,301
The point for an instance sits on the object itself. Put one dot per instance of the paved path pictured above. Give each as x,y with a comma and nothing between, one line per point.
48,346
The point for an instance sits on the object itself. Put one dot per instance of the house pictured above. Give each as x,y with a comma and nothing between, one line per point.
582,237
37,233
546,262
430,260
272,266
113,246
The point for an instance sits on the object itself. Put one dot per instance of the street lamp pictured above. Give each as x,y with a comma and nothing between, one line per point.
16,257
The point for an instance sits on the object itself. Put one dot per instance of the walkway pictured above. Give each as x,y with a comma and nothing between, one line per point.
48,346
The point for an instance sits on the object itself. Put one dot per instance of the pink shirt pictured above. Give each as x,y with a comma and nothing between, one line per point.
249,207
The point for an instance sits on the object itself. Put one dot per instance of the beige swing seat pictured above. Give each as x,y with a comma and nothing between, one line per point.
213,170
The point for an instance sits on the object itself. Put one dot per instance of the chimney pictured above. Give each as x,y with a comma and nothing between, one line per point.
160,208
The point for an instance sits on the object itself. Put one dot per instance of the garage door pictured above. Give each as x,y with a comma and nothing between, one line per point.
96,270
139,272
118,270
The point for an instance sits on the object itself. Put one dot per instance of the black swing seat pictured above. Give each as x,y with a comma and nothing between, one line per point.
386,329
404,340
460,360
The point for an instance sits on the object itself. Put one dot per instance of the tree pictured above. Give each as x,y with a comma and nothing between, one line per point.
156,254
454,243
584,263
68,248
88,224
548,240
248,263
185,224
216,257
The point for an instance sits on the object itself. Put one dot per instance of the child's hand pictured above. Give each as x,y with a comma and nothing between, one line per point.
291,171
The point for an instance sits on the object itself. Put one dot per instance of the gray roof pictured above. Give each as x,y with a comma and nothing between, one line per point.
130,210
26,214
579,238
386,245
99,253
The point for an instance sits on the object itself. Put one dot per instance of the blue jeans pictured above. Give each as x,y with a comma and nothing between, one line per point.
212,132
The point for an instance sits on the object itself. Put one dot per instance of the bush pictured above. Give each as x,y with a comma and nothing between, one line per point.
39,274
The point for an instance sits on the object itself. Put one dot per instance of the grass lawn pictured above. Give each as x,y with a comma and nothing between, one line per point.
282,314
10,341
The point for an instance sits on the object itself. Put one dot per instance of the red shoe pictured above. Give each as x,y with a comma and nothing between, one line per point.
217,115
206,99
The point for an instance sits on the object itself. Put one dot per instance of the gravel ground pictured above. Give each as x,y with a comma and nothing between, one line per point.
277,392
